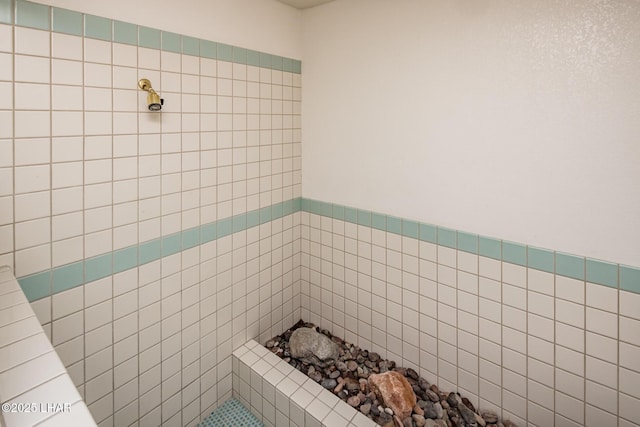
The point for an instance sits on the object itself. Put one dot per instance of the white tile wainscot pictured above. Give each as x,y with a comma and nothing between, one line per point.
34,384
280,395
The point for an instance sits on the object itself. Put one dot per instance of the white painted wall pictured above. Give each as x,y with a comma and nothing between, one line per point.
263,25
512,119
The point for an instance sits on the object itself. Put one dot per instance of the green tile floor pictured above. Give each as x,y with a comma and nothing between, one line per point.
231,414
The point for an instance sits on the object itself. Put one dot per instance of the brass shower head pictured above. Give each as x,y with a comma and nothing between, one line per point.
154,101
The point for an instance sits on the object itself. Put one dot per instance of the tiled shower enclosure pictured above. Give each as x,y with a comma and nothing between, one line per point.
152,245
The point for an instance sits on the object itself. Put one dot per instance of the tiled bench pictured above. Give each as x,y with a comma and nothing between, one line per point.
279,395
33,381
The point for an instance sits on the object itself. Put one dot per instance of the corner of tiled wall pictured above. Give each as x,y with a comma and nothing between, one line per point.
150,244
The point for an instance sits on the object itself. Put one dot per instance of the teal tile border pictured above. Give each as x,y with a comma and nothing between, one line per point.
595,271
65,277
46,283
630,279
67,21
148,37
6,12
97,27
35,15
125,33
570,266
32,15
602,273
540,259
36,286
171,42
514,253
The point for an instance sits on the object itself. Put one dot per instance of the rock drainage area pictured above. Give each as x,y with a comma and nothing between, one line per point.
387,394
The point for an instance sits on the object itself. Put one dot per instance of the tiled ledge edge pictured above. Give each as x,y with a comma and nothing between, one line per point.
279,395
31,372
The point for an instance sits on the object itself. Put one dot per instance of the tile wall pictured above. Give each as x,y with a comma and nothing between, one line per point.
149,244
548,339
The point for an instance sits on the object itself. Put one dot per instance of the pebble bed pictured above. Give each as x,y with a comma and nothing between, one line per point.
347,379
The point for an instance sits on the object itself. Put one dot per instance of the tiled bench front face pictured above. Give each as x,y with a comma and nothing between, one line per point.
281,396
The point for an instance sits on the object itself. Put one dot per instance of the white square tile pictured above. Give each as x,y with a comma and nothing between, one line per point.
630,330
66,174
6,96
601,347
32,205
125,55
97,51
570,313
67,251
67,123
33,260
32,151
602,322
570,289
32,233
67,328
66,46
32,124
31,69
6,207
6,35
31,42
602,297
65,72
30,96
630,304
97,75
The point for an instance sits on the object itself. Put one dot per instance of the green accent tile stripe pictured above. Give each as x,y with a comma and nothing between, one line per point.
67,277
67,21
287,65
191,238
351,215
225,227
171,244
394,225
240,222
125,33
43,17
253,58
6,11
379,221
225,52
208,49
364,218
148,37
98,267
630,279
428,233
490,248
124,259
96,27
171,42
208,232
190,46
150,251
32,15
468,242
46,283
540,259
570,266
410,229
514,253
602,273
239,55
36,286
447,237
276,62
265,60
